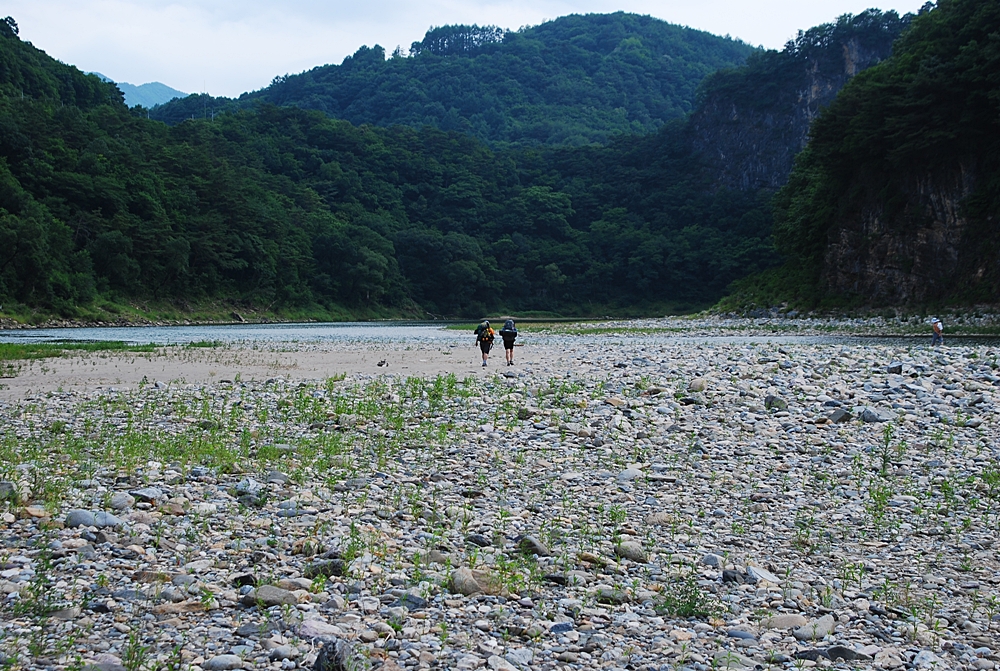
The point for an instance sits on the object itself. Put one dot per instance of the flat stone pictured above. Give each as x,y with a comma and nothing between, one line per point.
840,416
836,652
315,628
784,621
520,656
815,630
86,518
148,494
758,573
223,663
874,415
270,595
500,664
629,474
122,501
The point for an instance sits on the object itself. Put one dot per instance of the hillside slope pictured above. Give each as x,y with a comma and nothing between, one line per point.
896,200
575,80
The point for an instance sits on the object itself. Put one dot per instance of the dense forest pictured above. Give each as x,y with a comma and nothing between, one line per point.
575,80
278,209
896,199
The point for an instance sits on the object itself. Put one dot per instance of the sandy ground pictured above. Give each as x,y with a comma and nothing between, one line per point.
185,365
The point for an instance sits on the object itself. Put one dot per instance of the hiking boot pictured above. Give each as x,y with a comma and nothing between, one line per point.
484,364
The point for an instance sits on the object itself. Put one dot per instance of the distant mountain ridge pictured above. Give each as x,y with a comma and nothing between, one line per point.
576,80
149,94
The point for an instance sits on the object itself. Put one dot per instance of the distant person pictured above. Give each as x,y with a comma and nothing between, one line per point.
484,338
937,338
509,334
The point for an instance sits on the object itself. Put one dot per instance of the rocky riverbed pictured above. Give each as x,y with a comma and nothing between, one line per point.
606,504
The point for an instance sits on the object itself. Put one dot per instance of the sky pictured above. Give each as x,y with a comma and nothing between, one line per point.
227,47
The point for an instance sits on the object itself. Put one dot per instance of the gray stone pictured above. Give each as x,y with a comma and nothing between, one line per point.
283,652
772,402
836,652
629,474
148,494
532,546
80,518
249,486
727,659
340,655
464,582
926,659
122,501
874,415
612,596
757,573
713,560
784,621
8,491
815,630
86,518
270,595
314,628
498,663
277,477
632,550
698,384
520,656
839,416
223,663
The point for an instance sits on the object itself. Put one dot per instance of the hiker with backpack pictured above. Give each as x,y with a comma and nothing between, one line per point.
484,338
509,334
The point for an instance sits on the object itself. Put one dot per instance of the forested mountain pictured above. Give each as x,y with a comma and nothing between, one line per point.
281,209
896,199
575,80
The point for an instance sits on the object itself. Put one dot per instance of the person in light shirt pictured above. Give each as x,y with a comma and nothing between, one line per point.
938,328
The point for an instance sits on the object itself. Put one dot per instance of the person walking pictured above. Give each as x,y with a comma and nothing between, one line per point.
937,337
484,338
509,334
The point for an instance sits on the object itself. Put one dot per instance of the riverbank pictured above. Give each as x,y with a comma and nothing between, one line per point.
606,503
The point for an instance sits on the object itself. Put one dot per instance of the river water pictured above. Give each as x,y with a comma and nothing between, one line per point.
425,332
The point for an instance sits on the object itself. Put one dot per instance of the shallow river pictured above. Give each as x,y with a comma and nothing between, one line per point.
384,332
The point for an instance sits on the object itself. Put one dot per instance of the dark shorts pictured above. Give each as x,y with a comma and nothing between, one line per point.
485,346
508,345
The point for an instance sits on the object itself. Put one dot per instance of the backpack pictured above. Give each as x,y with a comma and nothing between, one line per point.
484,333
509,331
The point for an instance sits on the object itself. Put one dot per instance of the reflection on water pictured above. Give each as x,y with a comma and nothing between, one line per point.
237,333
435,332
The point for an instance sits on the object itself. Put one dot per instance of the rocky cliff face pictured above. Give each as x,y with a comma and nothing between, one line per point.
753,121
926,252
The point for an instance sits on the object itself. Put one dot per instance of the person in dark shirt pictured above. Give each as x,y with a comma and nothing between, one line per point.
509,334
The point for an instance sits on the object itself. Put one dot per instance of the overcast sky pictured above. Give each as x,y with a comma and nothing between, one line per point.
227,47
